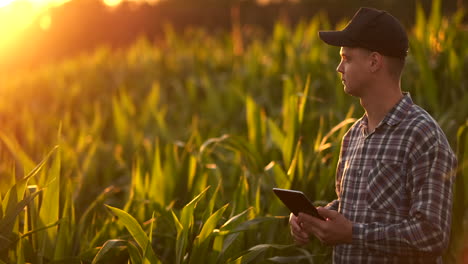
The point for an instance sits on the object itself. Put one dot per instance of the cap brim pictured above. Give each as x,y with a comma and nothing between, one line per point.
336,38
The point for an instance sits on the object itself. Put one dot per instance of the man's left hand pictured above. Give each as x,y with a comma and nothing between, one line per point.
335,230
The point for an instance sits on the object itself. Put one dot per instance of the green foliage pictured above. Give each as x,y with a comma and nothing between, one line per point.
188,137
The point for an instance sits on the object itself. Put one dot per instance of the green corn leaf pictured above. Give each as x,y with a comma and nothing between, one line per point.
277,136
303,100
212,202
136,231
67,260
210,225
324,144
12,212
233,220
255,124
138,184
257,250
293,259
435,18
150,235
279,176
234,233
63,246
290,127
120,120
177,223
252,157
49,210
192,171
135,255
259,220
20,253
21,184
184,227
84,221
292,168
188,210
225,228
420,23
108,245
42,228
181,245
19,154
9,204
200,250
158,186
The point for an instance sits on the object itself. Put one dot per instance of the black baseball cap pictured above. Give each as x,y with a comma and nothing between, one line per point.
372,29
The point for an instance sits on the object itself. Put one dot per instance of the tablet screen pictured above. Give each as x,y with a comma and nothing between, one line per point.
297,202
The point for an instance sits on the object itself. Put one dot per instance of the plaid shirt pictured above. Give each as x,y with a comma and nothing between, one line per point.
395,185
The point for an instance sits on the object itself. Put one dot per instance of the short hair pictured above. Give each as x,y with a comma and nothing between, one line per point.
395,66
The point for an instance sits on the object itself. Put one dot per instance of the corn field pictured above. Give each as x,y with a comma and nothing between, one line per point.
167,152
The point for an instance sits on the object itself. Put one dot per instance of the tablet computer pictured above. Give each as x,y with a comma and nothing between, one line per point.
297,202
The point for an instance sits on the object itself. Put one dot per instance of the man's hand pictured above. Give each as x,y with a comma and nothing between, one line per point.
335,230
298,234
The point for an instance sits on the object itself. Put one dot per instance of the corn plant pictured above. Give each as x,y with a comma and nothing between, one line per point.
167,152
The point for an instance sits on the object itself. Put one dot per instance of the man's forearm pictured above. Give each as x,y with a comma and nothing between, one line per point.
409,238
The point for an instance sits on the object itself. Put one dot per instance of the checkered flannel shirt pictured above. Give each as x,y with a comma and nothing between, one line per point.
395,185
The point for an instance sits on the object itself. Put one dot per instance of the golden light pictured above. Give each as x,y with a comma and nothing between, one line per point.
45,22
16,15
48,3
5,2
112,2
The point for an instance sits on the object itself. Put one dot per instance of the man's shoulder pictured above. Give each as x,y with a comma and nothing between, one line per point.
421,123
423,129
354,129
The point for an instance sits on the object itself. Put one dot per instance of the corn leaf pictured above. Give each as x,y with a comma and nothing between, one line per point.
136,231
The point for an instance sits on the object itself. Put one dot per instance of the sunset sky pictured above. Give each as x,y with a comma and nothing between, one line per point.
15,15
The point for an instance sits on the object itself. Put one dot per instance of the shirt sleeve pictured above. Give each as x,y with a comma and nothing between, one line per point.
426,230
333,205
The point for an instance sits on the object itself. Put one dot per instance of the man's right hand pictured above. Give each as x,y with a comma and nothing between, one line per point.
298,233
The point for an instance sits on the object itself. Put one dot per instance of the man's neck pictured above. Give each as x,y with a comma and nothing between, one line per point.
377,105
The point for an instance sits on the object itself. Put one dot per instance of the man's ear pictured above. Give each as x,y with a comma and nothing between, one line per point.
375,61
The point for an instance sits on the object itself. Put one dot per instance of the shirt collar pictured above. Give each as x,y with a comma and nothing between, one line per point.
399,111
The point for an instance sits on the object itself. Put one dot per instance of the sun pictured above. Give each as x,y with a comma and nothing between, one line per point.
5,2
15,15
112,2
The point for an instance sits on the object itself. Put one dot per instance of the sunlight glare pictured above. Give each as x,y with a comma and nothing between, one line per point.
16,15
13,18
112,2
5,2
43,3
45,22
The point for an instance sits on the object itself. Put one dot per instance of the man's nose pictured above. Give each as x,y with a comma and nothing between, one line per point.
339,68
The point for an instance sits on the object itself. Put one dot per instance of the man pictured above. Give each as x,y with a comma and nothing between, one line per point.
395,172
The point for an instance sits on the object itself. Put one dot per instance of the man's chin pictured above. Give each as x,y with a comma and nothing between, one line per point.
350,92
347,90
